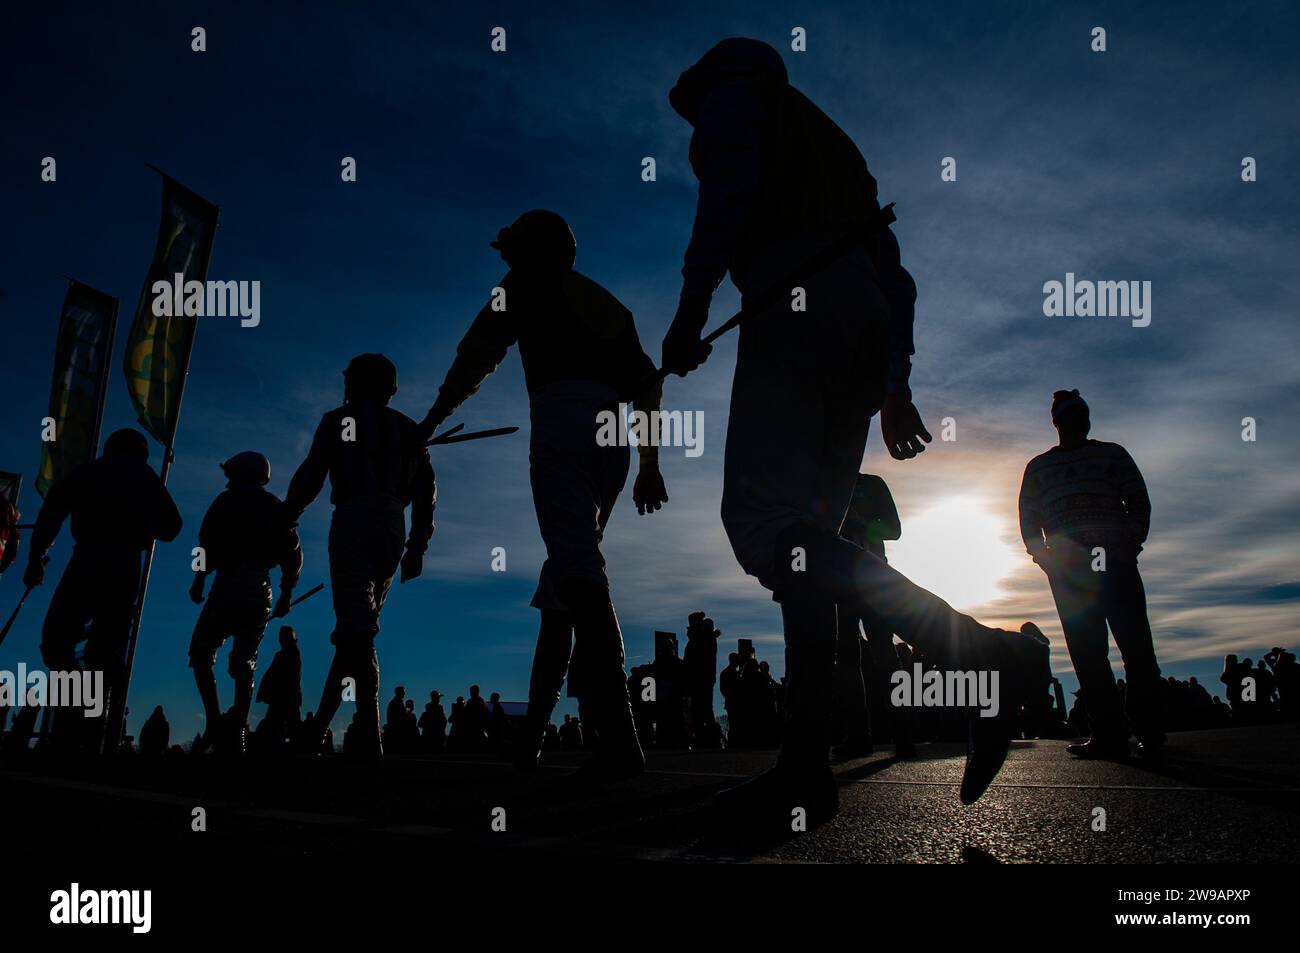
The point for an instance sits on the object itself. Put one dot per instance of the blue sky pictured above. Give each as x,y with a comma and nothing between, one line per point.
1121,165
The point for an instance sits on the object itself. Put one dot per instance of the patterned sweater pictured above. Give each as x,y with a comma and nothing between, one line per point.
1092,495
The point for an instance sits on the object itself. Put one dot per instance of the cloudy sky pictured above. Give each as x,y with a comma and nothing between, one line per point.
1122,165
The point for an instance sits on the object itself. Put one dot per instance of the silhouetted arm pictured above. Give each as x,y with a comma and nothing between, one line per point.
167,518
1031,517
900,290
1133,490
309,479
424,500
479,353
290,561
728,162
55,509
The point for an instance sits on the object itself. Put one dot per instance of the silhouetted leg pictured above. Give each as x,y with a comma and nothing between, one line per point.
809,669
331,695
114,607
1125,605
205,680
1077,593
598,637
852,717
550,662
365,548
243,658
65,626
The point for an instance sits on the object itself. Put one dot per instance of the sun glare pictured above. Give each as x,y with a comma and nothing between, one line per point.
955,550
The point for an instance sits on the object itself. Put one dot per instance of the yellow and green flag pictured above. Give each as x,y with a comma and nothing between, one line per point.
81,359
158,347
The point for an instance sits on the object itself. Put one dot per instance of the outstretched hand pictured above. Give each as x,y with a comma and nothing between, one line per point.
902,428
648,492
196,590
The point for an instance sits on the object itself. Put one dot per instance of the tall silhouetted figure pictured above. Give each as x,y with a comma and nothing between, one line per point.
779,183
377,466
581,355
243,537
872,518
118,507
281,691
1084,517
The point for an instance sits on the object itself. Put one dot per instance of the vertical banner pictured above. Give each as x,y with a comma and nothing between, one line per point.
157,362
159,345
81,361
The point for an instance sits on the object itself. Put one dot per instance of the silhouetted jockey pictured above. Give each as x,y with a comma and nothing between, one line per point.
377,466
872,518
779,182
580,354
243,537
281,690
433,724
155,734
10,537
1082,502
118,507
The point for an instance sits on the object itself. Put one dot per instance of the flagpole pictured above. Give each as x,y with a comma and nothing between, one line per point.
117,716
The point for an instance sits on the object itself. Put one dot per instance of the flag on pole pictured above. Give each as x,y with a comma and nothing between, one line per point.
158,347
81,360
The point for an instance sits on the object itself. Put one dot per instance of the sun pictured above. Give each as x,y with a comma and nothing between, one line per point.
955,549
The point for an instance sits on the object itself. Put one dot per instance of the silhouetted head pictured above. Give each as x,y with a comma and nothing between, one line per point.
129,444
370,377
734,58
474,691
435,696
247,468
287,636
410,704
400,692
539,242
496,697
1070,415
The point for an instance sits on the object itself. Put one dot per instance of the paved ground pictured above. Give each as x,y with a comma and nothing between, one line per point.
1224,796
